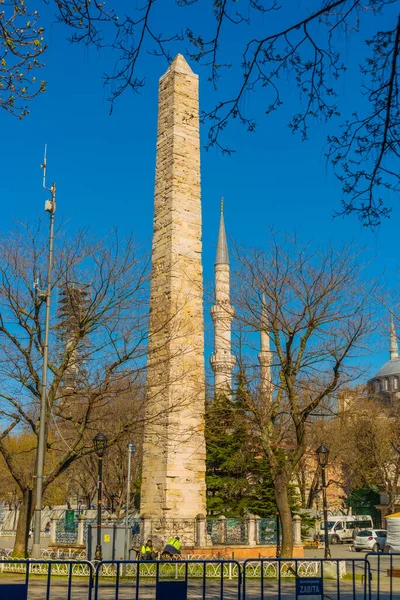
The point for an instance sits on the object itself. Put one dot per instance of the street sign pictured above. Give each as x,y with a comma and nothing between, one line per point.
309,586
70,520
13,591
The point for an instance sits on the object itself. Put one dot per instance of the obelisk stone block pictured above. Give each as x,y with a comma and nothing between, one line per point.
173,484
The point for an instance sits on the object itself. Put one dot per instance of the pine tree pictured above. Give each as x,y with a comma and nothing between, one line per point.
227,485
238,480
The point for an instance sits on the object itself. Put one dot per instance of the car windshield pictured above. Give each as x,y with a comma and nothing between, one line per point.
365,534
330,524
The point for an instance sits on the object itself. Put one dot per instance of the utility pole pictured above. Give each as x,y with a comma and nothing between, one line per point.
131,452
50,207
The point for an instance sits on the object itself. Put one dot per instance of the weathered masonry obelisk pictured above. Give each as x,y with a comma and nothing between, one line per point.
173,485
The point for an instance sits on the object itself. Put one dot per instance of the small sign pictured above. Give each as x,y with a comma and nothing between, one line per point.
69,520
14,591
309,586
165,590
107,538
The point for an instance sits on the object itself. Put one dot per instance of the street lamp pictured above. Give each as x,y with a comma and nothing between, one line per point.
323,457
131,452
100,446
50,207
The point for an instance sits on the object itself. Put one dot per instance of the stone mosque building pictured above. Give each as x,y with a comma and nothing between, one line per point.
385,384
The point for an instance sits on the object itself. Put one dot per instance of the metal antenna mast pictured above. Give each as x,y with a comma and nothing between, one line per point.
50,207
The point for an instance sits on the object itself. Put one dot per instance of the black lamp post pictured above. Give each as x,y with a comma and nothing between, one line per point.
100,446
323,456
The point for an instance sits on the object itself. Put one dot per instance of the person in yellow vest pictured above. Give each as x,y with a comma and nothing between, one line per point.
147,551
173,546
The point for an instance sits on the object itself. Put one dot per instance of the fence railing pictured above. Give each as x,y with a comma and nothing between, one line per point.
13,533
266,531
371,578
194,533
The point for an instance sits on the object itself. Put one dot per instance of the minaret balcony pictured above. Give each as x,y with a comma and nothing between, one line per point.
222,311
222,363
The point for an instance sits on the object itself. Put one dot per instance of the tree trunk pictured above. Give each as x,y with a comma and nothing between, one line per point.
23,525
282,502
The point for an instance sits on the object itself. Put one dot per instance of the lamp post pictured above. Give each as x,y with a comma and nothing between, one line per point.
100,446
323,456
131,452
278,535
50,207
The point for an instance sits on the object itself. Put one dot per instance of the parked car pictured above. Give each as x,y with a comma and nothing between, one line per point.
371,540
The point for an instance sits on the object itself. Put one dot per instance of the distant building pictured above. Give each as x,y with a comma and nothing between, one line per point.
385,384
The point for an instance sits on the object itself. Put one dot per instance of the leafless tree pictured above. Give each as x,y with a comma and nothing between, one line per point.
364,440
318,313
109,336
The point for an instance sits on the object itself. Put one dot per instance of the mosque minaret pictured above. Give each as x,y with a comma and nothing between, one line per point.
265,355
222,360
394,347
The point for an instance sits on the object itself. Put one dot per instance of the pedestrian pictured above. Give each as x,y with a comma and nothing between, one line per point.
173,546
147,551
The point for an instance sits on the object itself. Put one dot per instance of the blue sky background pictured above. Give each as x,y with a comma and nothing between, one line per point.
104,165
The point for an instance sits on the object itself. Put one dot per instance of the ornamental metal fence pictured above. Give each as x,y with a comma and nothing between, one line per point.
67,531
236,531
281,579
227,531
384,576
266,531
13,533
373,577
167,580
214,532
46,580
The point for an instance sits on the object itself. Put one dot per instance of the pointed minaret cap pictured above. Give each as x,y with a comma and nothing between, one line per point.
222,257
180,65
394,348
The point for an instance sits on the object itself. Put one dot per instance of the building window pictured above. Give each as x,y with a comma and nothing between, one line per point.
377,386
385,385
395,383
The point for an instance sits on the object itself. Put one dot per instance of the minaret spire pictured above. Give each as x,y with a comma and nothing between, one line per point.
222,256
265,354
394,347
222,360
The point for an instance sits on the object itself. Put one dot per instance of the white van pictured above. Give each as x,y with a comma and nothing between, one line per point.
341,528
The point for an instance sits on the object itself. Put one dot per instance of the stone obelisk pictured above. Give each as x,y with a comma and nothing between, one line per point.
173,484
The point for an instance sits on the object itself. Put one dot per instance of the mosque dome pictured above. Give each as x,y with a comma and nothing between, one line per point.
392,367
387,380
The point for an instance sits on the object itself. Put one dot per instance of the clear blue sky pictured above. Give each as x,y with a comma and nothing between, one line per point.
104,165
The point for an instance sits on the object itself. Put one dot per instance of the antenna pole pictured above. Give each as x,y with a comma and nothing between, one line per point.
50,207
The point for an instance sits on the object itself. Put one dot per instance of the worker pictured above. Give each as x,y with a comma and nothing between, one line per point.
147,551
172,547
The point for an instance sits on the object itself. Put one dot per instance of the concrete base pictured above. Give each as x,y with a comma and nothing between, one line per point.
239,552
